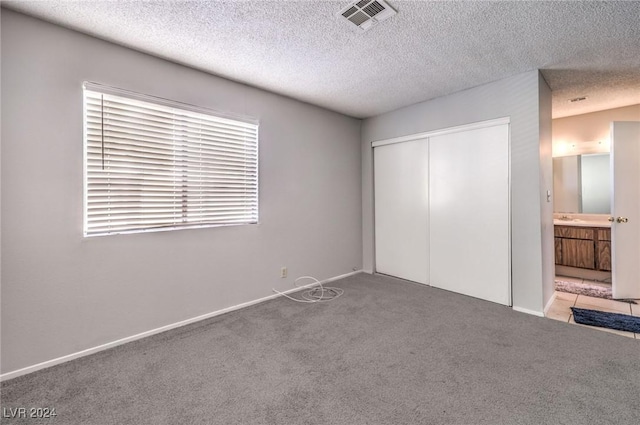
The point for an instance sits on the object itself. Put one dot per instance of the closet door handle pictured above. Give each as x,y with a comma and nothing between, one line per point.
622,219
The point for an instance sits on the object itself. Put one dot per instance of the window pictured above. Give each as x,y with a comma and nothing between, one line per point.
152,164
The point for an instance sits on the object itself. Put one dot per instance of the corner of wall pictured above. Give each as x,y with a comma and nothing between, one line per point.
546,189
366,160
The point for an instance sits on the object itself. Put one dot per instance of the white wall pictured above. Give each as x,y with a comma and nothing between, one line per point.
594,126
523,99
62,293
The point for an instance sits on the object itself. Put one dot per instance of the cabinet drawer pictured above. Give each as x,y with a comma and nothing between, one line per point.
604,234
573,232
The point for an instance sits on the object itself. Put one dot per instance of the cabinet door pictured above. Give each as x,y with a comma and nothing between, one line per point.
603,250
578,253
401,210
469,213
558,248
604,255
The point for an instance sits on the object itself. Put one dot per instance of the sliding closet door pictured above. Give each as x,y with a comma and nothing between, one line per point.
401,210
469,213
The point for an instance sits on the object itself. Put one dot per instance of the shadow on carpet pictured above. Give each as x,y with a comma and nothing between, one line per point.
620,322
589,290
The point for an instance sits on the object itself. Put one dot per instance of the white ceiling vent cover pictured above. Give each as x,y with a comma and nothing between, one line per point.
365,14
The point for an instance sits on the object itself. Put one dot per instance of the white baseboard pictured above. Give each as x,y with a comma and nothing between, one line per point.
88,351
551,300
527,311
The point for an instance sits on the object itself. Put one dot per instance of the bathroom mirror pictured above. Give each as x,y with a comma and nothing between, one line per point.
582,184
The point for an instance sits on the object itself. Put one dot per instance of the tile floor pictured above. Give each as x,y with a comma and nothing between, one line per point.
561,308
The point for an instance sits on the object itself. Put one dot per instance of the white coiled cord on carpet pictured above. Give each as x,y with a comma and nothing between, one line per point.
316,294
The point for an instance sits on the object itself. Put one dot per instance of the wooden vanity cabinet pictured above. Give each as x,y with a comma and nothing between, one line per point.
583,247
577,246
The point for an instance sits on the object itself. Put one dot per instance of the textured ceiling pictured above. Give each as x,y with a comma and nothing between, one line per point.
302,49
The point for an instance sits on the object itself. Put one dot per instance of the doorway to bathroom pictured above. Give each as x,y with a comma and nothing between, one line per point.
596,198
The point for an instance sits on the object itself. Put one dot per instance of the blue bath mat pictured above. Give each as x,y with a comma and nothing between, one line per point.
620,322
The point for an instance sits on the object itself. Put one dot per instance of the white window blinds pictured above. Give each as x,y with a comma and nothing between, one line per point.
154,165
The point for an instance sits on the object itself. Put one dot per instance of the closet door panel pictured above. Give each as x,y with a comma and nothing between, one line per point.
401,210
469,213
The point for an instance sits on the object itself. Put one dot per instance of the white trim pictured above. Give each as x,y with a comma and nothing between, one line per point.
88,351
527,311
510,210
457,129
551,300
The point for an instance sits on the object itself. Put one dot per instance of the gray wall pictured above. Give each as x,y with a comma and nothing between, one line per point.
519,98
62,293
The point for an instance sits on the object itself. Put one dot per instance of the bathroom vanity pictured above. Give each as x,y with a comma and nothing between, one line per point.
582,244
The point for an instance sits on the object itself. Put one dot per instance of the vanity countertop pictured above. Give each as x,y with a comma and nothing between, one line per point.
581,223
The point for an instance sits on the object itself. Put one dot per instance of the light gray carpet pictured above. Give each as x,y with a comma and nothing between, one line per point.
386,352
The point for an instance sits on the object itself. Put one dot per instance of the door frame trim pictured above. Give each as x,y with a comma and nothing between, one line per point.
440,132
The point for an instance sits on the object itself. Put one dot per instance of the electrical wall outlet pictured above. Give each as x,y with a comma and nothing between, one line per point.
283,272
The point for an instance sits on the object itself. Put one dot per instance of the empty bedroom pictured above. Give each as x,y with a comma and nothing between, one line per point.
318,212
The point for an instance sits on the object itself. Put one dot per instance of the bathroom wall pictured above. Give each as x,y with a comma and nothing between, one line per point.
588,133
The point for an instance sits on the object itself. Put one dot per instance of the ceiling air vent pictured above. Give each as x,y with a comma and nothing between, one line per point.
365,14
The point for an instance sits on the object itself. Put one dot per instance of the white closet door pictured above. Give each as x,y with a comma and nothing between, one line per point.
469,213
401,210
